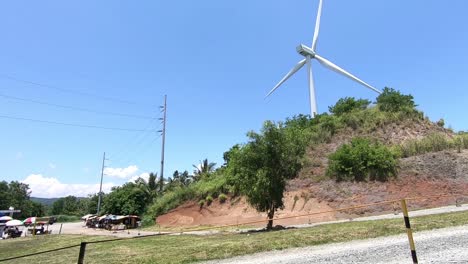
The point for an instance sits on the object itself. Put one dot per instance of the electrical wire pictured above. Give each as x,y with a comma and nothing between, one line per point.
68,90
70,124
74,108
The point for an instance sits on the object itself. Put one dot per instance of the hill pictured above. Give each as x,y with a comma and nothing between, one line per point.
431,160
44,201
441,172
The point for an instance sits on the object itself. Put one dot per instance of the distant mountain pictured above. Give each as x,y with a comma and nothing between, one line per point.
44,201
49,201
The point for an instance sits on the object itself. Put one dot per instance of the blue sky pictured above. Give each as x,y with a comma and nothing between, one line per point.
215,60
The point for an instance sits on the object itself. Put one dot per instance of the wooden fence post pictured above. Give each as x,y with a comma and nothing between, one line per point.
82,253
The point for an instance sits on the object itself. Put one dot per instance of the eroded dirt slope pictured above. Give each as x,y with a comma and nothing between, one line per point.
444,172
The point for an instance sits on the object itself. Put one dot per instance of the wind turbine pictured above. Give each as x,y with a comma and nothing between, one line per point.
309,53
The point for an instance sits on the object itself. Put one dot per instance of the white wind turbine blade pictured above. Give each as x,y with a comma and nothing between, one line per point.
313,101
341,71
317,26
289,74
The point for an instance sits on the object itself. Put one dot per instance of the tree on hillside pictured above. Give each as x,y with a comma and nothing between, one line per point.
260,168
391,100
203,169
152,185
181,179
348,104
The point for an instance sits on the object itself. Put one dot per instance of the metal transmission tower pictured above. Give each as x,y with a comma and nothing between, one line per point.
163,133
100,186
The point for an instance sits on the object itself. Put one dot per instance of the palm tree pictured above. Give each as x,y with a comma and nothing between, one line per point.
203,169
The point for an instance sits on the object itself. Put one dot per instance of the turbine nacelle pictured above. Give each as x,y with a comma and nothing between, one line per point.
305,51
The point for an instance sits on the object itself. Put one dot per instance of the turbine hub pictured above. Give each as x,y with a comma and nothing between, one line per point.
305,51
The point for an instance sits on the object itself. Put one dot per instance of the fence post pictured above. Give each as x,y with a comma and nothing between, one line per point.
404,209
82,253
60,231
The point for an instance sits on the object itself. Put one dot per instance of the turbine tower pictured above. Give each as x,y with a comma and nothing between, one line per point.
309,53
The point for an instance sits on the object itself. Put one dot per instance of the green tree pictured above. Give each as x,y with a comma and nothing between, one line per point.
181,179
152,185
260,168
4,195
391,100
204,169
130,198
362,160
348,104
69,205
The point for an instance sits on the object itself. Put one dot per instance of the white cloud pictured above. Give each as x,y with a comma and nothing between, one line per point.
121,173
52,166
45,187
144,176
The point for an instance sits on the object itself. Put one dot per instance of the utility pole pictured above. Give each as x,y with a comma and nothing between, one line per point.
163,131
100,187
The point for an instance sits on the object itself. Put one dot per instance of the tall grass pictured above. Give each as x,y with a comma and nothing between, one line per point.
433,143
207,187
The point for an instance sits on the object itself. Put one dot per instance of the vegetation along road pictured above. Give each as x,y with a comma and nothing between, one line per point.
446,245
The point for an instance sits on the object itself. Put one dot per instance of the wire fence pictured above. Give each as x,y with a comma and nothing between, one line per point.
93,251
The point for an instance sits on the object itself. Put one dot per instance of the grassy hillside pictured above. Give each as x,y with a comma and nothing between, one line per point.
393,122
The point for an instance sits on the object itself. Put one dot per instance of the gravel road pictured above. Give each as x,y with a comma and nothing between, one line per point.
447,245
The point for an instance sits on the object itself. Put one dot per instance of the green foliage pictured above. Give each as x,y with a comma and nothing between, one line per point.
209,200
222,198
17,195
169,201
181,179
130,198
441,122
347,105
67,218
152,185
362,160
213,186
261,167
204,169
201,203
66,205
391,100
433,143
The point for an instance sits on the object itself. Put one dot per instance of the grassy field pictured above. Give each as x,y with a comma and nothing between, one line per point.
190,248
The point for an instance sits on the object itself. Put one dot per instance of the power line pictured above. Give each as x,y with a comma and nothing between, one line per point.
69,90
74,108
69,124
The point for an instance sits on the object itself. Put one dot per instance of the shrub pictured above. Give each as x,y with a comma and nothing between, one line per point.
441,122
209,200
222,198
348,104
362,160
67,218
391,100
201,203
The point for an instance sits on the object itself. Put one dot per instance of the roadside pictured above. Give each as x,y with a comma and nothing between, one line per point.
446,245
78,228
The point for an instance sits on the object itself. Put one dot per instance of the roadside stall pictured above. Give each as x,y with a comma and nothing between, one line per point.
11,229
